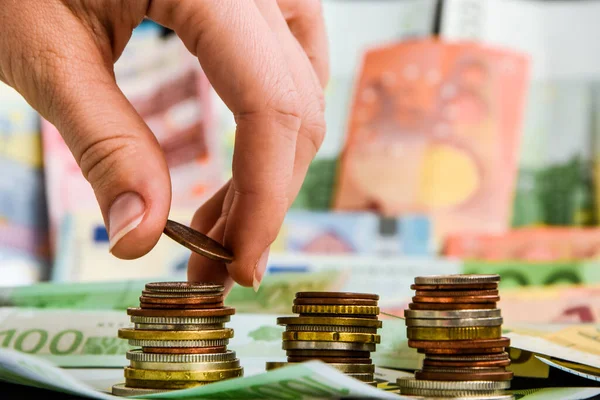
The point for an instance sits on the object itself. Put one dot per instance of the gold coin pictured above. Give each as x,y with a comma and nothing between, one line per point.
454,333
332,337
157,375
121,390
342,321
129,333
170,385
271,365
362,377
186,366
334,309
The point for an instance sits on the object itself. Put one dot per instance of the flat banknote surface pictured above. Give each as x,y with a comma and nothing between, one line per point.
530,292
434,129
28,358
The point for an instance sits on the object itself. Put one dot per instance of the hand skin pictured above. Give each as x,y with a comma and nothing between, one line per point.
267,60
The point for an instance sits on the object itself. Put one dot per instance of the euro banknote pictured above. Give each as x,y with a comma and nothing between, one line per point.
435,128
556,292
30,337
558,172
307,380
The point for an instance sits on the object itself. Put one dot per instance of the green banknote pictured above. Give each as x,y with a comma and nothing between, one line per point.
308,380
276,293
312,380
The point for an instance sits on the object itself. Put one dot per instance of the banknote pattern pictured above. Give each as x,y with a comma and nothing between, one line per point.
434,129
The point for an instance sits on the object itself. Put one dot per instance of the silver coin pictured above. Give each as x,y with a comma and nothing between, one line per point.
452,314
178,327
178,295
362,377
345,368
178,343
468,357
457,279
454,322
310,345
171,366
183,287
411,382
330,328
180,320
121,390
450,393
140,356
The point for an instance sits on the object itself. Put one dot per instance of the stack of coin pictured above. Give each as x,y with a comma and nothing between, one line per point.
180,338
453,319
337,328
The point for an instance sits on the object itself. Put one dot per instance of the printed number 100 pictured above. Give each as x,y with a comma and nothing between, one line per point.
33,340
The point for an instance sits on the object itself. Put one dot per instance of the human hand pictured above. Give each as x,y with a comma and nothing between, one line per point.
267,60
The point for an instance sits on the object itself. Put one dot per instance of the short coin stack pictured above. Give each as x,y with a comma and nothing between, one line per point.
334,327
453,319
180,331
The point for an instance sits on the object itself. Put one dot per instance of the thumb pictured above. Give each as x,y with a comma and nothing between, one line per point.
66,73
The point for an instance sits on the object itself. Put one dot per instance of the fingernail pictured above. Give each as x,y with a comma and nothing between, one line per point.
259,269
125,214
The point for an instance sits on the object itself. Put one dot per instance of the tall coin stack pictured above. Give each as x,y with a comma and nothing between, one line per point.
337,328
453,319
180,333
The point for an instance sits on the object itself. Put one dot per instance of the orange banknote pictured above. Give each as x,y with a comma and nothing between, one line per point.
434,128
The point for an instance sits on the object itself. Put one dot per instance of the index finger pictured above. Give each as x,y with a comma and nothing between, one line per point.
243,61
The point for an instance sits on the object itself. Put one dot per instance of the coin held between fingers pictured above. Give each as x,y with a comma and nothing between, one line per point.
197,242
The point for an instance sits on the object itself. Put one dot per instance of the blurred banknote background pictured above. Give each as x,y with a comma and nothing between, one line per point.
463,137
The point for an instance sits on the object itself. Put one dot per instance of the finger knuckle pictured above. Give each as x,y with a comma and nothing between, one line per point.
312,8
314,124
99,158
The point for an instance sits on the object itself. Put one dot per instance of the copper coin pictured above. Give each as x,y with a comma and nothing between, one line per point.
456,293
329,353
158,306
467,286
460,344
461,300
338,295
213,298
335,301
451,306
340,315
462,376
477,352
333,360
211,312
466,364
185,350
469,358
197,242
